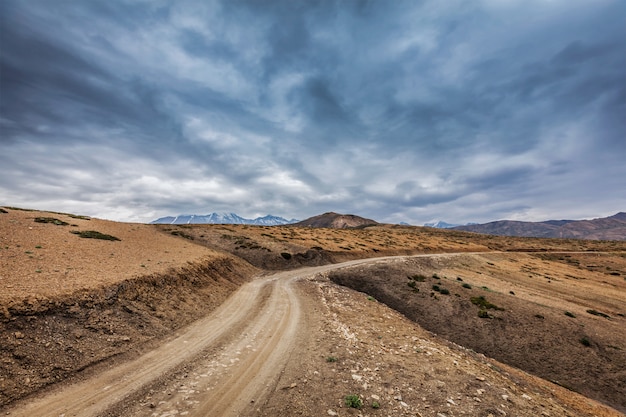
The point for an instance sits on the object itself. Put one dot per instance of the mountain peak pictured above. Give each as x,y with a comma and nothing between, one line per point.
336,221
223,218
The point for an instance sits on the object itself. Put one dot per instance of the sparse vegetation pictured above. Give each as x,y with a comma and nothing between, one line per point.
466,285
92,234
375,405
181,234
353,401
585,341
50,220
570,314
483,314
598,313
286,255
417,277
482,302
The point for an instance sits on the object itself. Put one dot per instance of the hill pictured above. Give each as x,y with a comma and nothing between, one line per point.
73,307
607,228
336,221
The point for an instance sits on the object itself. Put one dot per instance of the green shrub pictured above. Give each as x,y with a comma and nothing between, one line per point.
331,359
597,313
411,284
466,285
585,341
92,234
484,304
569,314
483,314
417,277
353,401
375,405
50,220
444,291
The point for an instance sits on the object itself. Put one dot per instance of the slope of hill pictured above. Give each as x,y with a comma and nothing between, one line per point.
336,221
607,228
223,218
72,307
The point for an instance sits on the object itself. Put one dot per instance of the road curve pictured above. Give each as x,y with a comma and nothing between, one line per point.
237,354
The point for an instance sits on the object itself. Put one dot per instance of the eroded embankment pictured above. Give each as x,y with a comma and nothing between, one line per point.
46,340
533,329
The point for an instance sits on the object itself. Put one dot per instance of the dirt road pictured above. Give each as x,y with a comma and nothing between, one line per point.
237,352
268,342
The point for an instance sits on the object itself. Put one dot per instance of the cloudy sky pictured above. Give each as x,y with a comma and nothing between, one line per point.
466,111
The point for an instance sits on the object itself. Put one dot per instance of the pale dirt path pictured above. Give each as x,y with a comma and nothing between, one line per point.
226,364
237,351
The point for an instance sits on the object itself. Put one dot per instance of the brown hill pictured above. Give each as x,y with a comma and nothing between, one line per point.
607,228
336,221
72,307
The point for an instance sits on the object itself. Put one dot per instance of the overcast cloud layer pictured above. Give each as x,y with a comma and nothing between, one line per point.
394,110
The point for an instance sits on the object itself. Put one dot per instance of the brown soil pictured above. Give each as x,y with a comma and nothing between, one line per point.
531,331
184,351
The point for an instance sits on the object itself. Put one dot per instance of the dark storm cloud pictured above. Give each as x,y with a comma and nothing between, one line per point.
398,111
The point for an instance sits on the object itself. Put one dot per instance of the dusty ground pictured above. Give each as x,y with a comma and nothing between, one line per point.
529,329
104,320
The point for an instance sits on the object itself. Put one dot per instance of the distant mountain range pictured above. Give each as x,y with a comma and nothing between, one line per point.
606,228
223,218
336,221
443,225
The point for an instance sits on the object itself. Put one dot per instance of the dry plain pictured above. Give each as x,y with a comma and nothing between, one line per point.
389,314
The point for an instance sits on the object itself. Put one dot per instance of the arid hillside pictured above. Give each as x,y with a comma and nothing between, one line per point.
76,302
606,228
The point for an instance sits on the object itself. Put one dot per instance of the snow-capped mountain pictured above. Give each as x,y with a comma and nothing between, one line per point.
223,218
441,225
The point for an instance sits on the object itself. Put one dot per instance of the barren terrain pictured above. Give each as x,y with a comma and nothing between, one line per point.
204,331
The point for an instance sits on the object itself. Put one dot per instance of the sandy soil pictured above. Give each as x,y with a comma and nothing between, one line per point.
167,322
266,352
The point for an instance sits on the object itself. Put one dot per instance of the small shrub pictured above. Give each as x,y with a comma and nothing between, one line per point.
483,314
411,284
484,304
569,314
286,255
511,292
353,401
50,220
417,277
3,210
331,359
436,288
466,285
585,341
435,276
459,279
92,234
444,291
375,405
370,298
182,234
597,313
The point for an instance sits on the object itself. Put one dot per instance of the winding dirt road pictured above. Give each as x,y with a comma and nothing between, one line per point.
237,353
